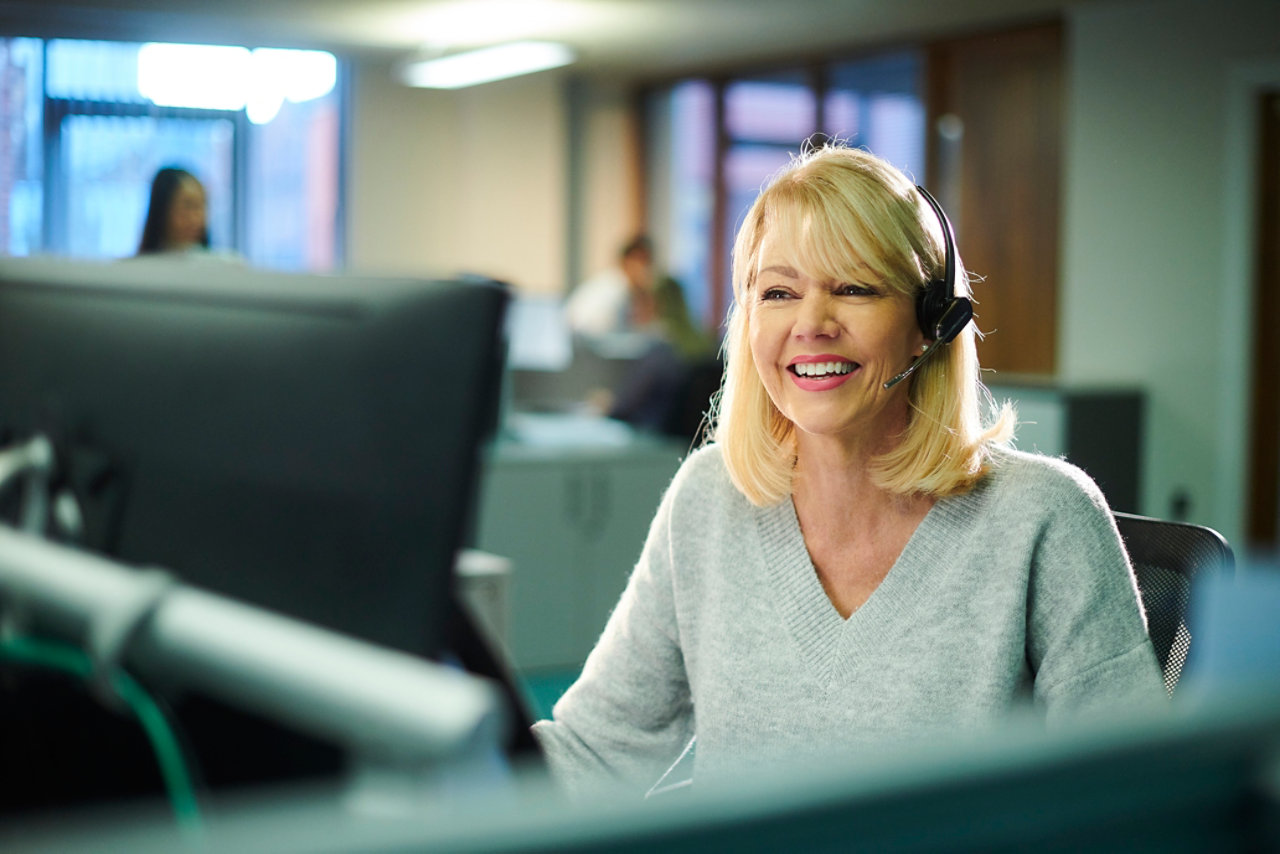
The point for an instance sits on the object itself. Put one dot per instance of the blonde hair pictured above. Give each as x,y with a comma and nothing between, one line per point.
847,210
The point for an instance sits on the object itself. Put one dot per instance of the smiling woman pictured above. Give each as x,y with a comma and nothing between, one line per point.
824,348
854,561
855,235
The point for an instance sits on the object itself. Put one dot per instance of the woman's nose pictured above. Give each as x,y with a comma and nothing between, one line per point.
816,318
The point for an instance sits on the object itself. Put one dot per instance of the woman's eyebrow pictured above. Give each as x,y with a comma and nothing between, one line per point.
782,270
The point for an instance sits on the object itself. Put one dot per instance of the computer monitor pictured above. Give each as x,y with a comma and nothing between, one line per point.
305,443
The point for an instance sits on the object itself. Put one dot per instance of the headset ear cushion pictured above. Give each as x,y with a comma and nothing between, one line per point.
930,306
956,316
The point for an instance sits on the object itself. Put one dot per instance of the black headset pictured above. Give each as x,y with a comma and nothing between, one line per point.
940,313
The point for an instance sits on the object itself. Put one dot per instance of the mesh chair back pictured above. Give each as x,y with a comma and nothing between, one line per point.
1167,558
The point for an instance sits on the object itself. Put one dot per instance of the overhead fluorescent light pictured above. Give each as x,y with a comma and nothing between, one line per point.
211,77
215,77
485,65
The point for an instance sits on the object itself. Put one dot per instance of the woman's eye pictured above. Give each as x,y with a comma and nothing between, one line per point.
771,294
855,290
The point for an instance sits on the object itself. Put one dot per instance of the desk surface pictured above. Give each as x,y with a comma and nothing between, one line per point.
1199,781
528,435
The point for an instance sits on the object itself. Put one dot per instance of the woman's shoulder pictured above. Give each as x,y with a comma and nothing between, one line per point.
703,480
1025,494
1025,475
703,470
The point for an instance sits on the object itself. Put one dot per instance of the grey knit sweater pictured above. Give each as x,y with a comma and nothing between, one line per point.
1017,593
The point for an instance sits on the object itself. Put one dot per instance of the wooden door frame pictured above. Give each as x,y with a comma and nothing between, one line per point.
1264,396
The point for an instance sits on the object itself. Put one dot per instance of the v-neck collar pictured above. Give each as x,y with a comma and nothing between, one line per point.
828,642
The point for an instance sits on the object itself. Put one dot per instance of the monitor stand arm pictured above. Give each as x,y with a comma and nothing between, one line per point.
386,706
30,461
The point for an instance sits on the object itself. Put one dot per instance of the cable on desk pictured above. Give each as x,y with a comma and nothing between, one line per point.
168,753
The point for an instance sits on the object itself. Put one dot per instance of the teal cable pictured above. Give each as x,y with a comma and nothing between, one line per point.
164,743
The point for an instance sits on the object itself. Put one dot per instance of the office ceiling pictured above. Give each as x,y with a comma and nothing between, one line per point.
626,37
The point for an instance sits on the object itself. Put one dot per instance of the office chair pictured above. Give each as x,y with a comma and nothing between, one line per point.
686,417
1167,559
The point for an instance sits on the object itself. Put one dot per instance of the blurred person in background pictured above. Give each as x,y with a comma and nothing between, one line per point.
177,223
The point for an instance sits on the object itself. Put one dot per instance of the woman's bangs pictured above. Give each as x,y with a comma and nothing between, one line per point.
822,245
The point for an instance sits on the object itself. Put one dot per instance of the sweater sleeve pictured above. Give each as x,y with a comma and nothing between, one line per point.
628,716
1087,640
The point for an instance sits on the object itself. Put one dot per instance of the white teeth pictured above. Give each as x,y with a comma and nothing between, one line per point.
822,369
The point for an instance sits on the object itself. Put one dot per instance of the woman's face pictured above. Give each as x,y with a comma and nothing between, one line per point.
187,218
825,349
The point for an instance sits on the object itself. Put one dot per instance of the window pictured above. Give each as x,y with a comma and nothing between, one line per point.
686,198
82,142
713,146
878,103
21,148
766,118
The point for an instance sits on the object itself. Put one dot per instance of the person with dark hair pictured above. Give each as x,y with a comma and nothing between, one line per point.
177,215
634,305
633,296
617,299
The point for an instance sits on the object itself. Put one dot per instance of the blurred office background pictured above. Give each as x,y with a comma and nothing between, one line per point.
1112,167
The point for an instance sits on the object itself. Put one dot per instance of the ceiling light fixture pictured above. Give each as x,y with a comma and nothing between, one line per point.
485,65
215,77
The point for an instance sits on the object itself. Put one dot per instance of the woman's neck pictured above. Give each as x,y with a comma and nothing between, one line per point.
840,483
834,479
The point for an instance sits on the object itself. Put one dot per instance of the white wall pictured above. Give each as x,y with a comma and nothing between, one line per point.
1153,290
478,180
609,192
472,180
